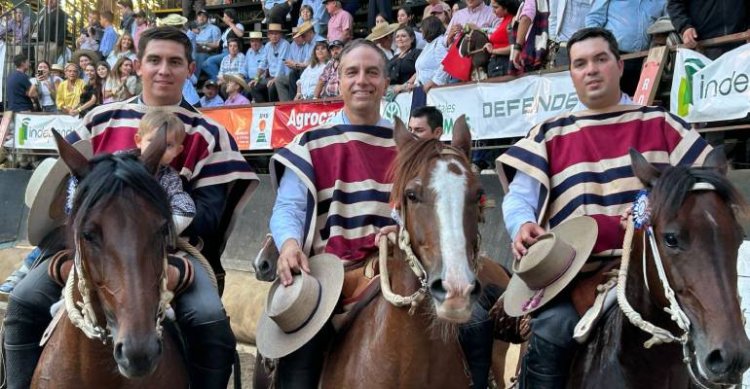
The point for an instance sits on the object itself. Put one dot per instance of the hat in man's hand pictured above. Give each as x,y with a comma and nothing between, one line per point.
294,314
549,265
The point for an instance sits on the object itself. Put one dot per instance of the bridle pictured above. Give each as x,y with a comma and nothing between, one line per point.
470,52
640,219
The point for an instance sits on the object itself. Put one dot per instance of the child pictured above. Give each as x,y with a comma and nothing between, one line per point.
183,207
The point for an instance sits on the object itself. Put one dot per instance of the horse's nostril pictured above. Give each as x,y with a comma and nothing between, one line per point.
264,266
716,362
118,351
437,290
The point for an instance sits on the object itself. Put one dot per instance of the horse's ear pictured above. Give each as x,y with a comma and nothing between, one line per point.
645,171
151,158
462,136
717,159
401,135
76,162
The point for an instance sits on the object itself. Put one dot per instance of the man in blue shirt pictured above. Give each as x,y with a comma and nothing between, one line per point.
110,35
272,66
299,57
255,53
18,86
211,96
208,39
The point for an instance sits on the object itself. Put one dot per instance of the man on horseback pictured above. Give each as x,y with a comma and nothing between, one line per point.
578,164
164,63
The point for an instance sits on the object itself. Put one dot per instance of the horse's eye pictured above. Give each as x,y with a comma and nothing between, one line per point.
412,196
88,236
670,240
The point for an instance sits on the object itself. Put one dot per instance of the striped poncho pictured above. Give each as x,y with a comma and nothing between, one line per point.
582,163
345,169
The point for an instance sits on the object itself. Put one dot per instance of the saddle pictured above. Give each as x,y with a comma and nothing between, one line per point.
361,286
592,295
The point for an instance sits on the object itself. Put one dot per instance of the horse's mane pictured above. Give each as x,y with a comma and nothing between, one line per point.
675,183
119,175
410,160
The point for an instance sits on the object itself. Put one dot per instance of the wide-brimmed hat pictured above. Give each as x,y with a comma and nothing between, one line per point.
275,27
294,314
57,67
174,20
549,265
253,35
382,31
303,28
47,182
238,78
93,55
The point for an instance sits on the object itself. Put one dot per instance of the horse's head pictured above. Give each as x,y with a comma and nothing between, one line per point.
439,199
121,227
698,235
472,45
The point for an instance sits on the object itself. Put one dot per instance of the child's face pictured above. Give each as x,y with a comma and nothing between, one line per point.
173,148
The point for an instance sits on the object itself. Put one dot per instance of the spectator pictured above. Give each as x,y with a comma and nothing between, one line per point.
457,6
127,16
189,93
235,84
83,58
211,96
523,41
319,15
87,41
110,35
378,7
276,10
704,19
309,78
381,19
58,73
405,17
93,30
69,92
102,74
441,11
300,52
272,65
43,87
565,18
255,53
429,68
306,16
140,25
476,15
340,23
88,98
123,48
50,36
401,66
121,84
426,122
18,27
499,45
382,36
18,86
234,62
328,85
208,39
628,21
212,64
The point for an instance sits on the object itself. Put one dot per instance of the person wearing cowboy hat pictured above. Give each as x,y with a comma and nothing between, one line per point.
272,66
255,54
300,51
84,58
235,85
235,30
382,35
109,38
592,177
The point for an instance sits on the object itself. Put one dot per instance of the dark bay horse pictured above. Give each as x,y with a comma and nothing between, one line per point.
472,45
111,333
697,235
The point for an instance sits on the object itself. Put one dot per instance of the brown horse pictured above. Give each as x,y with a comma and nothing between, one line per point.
697,235
472,45
110,335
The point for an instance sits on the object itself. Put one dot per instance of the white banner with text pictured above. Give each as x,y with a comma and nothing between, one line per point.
34,131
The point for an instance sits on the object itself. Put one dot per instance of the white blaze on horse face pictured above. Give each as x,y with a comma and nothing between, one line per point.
450,201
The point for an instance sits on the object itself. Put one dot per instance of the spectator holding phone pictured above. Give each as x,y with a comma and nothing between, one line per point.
43,87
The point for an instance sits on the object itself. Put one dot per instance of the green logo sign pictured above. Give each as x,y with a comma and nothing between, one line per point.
23,131
685,92
392,110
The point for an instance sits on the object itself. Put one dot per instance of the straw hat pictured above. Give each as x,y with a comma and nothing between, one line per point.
238,78
294,314
303,28
253,35
48,182
382,31
549,265
93,56
174,20
275,27
57,67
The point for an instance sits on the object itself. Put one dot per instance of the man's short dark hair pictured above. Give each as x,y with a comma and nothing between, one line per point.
19,59
232,14
165,33
432,28
595,32
360,43
433,115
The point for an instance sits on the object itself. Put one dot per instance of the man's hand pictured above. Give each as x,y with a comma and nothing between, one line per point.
690,38
426,87
625,216
291,260
517,60
454,30
525,237
270,82
252,83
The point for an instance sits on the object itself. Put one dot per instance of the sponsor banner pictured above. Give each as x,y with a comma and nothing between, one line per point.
261,128
292,119
399,107
237,121
705,91
505,110
34,131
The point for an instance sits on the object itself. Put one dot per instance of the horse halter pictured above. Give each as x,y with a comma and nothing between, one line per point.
81,313
467,37
641,220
